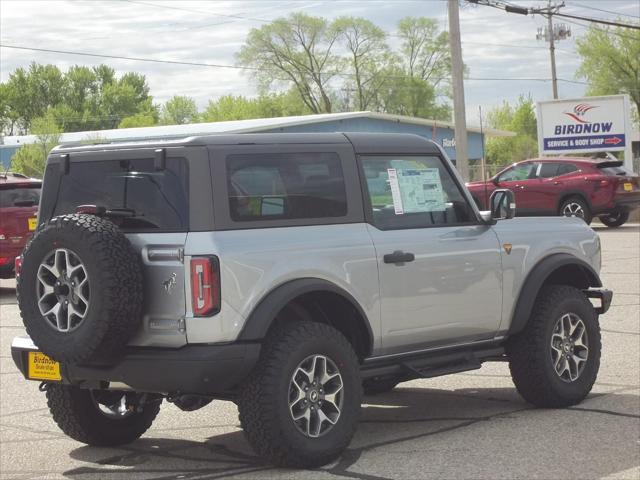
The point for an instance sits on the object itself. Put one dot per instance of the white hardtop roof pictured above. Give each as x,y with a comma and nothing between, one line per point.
255,125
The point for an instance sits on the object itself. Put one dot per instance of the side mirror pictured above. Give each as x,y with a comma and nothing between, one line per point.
495,181
503,204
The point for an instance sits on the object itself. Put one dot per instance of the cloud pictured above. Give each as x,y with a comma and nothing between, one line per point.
212,32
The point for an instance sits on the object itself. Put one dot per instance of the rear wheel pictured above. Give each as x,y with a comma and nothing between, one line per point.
615,219
101,417
576,207
554,361
300,406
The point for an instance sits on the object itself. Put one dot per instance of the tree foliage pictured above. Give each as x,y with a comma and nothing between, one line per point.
348,64
297,50
179,110
80,99
611,61
230,107
30,159
520,119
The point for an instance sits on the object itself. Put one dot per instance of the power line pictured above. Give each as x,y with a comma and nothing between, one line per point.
604,11
238,67
598,20
554,10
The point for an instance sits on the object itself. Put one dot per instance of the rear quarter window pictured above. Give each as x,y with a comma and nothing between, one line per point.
158,199
285,186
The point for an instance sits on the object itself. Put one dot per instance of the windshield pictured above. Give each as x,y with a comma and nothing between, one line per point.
156,200
19,196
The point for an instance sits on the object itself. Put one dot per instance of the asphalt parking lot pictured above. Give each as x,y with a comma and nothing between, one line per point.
469,425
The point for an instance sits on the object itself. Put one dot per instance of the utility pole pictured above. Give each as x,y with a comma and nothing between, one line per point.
551,34
552,50
457,73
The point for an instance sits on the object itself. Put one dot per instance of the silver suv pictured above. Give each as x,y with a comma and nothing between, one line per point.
289,273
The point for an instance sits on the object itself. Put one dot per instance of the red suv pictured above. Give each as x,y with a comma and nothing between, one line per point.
568,186
19,198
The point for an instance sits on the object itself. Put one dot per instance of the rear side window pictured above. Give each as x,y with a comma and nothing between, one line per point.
14,196
156,200
548,170
285,186
567,168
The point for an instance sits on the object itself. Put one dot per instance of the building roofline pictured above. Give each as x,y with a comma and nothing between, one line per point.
241,126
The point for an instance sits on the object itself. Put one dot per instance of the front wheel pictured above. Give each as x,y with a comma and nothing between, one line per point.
554,361
615,219
301,404
101,417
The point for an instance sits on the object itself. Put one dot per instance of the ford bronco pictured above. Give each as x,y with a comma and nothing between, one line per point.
290,273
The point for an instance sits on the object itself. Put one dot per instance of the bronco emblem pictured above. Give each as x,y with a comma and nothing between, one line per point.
169,283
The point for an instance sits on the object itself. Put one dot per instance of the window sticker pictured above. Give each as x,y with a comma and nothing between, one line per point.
395,191
418,190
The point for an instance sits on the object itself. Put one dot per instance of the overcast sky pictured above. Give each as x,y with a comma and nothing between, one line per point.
495,44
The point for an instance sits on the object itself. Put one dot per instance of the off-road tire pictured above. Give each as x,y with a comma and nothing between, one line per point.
116,291
262,400
375,385
529,351
616,219
78,416
588,216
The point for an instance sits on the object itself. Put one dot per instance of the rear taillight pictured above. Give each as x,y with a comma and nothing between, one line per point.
205,286
17,265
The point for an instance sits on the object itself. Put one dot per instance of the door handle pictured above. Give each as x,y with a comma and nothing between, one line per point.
557,183
399,257
521,187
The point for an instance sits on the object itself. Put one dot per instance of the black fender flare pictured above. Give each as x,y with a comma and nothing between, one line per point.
536,279
260,319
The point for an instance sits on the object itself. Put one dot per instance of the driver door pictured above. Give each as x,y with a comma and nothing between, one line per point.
439,268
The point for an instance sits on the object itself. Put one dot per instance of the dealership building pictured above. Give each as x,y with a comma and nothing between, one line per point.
436,130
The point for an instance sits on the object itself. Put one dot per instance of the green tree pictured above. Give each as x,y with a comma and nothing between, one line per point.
412,96
298,52
179,110
520,119
31,159
230,107
424,50
611,61
137,120
368,55
83,98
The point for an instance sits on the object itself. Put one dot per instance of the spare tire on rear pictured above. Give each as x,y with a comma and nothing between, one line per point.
80,290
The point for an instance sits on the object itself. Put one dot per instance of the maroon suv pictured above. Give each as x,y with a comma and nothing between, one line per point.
19,198
568,186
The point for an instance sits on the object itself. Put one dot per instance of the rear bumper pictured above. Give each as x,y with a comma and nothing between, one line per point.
627,201
197,369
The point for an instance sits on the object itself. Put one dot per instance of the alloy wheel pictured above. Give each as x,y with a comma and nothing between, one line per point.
316,395
569,347
62,288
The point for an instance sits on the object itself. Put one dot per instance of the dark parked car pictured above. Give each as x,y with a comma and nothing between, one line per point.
580,187
19,198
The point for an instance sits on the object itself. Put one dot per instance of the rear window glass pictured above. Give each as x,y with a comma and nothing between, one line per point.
155,200
15,196
613,171
285,186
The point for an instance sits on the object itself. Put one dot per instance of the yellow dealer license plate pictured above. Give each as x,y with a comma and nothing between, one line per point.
42,367
628,187
33,223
